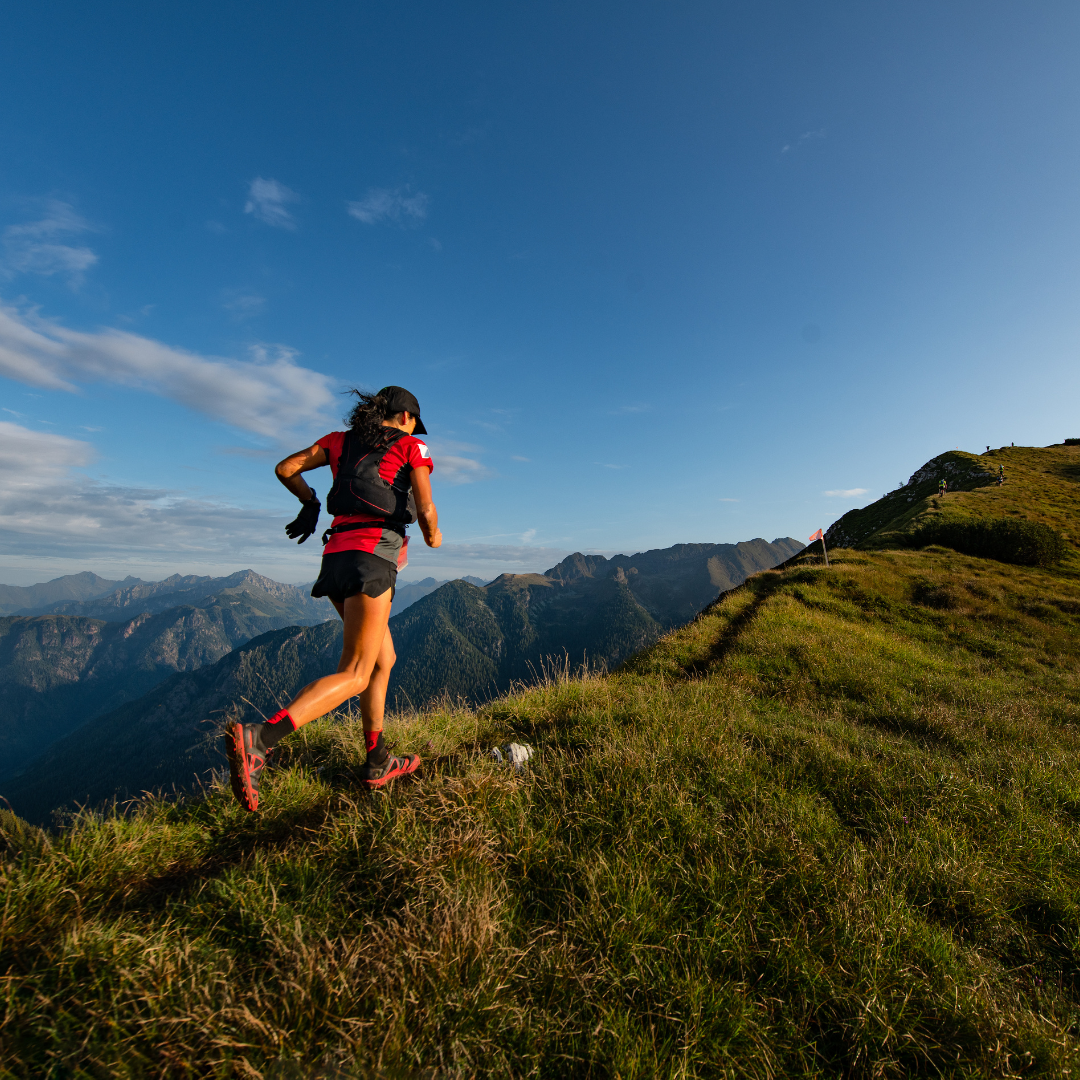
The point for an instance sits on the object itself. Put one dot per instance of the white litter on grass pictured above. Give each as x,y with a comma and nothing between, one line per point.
515,754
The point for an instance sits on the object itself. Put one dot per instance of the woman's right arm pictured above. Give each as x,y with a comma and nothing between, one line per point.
426,513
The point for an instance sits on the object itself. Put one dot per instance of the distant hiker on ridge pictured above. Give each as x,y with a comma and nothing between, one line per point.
381,484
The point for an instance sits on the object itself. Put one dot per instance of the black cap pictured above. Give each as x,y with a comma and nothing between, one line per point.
398,399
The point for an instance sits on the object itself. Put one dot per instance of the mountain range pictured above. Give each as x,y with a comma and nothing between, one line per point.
60,670
472,643
460,639
35,599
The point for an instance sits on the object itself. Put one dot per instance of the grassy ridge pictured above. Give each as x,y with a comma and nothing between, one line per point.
827,829
1040,486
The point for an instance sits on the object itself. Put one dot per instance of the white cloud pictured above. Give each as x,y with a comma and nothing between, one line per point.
459,470
481,560
35,247
805,137
389,204
269,394
451,466
243,305
845,493
268,201
49,509
53,515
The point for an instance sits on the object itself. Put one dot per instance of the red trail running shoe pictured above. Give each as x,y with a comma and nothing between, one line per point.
377,775
247,759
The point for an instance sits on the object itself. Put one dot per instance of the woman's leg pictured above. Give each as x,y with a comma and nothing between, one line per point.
373,699
365,620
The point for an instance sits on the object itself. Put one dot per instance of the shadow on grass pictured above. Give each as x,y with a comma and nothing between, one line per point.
734,630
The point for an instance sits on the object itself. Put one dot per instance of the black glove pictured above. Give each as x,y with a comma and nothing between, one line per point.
306,520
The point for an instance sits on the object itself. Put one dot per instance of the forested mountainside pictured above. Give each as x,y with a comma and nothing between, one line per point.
474,642
58,672
409,592
167,737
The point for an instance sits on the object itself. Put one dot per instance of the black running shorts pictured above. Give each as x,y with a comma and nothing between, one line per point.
346,573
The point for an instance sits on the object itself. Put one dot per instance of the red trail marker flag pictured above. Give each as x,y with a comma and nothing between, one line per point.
819,535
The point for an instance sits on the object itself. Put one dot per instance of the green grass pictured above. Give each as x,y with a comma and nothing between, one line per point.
828,829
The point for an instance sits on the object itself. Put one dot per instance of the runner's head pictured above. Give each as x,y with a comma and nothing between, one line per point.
391,403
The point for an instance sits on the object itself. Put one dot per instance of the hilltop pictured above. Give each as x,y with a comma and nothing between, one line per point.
828,828
1040,486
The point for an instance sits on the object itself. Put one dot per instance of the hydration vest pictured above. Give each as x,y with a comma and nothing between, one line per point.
359,489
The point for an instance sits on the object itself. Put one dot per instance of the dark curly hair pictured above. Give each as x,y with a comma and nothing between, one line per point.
367,415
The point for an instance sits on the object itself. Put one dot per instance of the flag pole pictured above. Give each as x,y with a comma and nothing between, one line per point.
820,535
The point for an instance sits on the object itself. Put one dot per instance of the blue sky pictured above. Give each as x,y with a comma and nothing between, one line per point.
657,273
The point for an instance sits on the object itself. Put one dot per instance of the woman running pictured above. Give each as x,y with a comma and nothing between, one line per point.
381,484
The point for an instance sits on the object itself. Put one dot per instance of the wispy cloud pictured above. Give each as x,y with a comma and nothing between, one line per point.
483,560
845,493
268,200
36,247
454,469
608,465
384,205
452,466
49,508
804,138
243,305
269,394
518,457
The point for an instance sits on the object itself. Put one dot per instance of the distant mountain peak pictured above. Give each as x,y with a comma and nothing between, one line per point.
576,566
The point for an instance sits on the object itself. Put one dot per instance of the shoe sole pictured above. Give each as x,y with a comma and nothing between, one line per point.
413,764
241,783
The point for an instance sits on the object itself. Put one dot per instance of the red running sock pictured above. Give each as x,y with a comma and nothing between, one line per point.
376,751
276,728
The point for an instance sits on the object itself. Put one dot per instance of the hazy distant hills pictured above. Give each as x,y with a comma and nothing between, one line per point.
59,671
473,642
135,597
460,639
35,599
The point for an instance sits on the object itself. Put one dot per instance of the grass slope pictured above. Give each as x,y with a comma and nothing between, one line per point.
827,829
